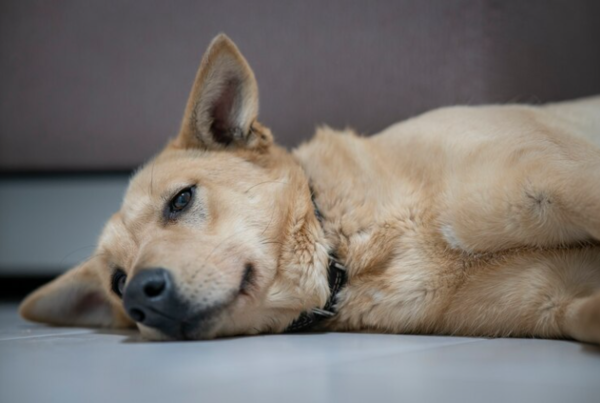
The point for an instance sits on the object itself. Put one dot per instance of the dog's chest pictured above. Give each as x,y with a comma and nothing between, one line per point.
401,275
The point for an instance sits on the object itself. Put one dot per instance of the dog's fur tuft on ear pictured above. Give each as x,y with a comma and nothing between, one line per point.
223,104
76,298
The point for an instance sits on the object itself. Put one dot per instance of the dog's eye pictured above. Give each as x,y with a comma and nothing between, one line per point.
118,282
181,201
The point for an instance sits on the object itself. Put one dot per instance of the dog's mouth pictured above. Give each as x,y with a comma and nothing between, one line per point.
247,279
190,330
199,325
194,326
187,332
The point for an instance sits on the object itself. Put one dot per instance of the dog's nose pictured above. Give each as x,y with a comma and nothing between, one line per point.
150,299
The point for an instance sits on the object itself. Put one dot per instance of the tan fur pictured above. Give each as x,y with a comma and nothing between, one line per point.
480,221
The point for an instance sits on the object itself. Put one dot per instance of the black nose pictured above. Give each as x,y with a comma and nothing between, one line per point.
151,299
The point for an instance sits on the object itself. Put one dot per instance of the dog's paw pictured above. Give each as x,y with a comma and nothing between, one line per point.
584,319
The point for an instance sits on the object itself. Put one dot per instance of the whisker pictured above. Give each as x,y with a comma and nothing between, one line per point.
270,242
269,224
75,251
264,183
152,178
222,243
94,256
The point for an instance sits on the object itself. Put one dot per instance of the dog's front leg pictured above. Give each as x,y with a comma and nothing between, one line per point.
544,200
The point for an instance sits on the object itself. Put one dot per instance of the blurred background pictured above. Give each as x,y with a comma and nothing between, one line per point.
91,89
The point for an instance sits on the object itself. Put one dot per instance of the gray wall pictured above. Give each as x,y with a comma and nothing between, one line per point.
102,84
50,224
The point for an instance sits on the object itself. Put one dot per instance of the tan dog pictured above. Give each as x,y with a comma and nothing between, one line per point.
479,221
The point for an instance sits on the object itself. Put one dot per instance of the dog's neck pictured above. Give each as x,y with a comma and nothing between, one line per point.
302,282
336,277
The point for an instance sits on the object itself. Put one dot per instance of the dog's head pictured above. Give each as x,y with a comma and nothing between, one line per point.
216,235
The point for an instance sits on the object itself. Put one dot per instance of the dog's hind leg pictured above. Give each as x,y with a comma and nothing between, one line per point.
547,294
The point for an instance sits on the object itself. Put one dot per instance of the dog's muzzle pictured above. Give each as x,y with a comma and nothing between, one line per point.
151,299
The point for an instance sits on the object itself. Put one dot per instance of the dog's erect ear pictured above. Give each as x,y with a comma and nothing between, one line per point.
76,298
223,105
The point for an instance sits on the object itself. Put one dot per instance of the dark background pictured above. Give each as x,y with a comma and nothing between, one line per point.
101,85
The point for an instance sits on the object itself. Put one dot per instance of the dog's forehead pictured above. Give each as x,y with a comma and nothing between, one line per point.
159,180
175,168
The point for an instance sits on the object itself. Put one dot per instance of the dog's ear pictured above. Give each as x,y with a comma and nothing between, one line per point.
223,105
76,298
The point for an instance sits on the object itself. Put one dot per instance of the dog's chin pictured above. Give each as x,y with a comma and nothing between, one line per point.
187,332
151,334
204,325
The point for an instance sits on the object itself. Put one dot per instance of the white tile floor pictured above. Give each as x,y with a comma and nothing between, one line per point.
45,364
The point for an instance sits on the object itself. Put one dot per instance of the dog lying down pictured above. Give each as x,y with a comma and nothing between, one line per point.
475,221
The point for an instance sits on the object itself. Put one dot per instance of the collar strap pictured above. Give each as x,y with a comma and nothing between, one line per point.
336,275
337,279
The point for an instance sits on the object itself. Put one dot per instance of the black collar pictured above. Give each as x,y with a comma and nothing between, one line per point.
336,275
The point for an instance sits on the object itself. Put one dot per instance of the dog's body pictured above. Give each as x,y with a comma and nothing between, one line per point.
464,220
480,221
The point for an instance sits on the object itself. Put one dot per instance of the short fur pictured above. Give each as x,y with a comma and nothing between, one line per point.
478,221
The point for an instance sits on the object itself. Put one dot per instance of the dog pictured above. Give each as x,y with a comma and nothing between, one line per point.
475,221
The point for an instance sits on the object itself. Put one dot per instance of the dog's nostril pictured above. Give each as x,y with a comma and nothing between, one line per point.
154,288
137,314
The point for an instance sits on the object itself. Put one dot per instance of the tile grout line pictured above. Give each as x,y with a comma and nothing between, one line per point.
47,335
